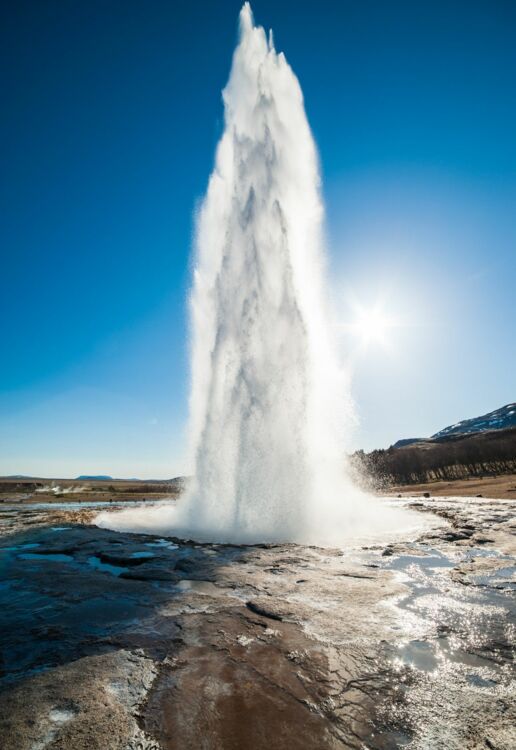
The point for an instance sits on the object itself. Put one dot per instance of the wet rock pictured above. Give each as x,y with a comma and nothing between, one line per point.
58,550
186,565
125,561
145,573
307,659
237,684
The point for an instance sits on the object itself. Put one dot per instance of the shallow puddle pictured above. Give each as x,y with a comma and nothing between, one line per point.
453,618
419,655
114,570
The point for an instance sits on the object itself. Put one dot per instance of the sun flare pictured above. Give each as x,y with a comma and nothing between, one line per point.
370,325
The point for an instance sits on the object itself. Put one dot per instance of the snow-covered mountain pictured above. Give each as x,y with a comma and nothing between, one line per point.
499,419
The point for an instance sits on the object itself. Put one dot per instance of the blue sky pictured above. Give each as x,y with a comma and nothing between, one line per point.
111,114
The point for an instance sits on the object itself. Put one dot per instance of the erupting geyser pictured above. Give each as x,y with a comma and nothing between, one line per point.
269,410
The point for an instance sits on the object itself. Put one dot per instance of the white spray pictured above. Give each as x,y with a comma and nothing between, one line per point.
269,410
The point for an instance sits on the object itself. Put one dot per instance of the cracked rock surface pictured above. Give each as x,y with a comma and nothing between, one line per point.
126,642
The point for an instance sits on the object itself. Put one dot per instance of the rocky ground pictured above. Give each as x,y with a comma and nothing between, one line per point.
125,642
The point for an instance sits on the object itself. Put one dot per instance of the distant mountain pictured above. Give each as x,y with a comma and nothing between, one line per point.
175,481
406,441
94,477
500,419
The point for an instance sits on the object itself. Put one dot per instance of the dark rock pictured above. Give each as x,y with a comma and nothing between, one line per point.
150,574
258,609
455,536
58,550
185,565
122,560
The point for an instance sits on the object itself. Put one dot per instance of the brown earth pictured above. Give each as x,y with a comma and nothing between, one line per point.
47,490
499,488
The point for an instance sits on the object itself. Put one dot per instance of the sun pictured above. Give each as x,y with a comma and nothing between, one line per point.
371,325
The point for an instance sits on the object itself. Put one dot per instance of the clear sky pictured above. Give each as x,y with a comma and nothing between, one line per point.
111,111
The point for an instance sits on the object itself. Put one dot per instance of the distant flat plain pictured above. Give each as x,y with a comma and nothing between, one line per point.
499,487
47,490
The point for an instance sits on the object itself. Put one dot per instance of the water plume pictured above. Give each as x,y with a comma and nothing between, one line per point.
269,405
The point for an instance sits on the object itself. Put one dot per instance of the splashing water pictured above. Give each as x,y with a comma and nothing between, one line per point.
269,411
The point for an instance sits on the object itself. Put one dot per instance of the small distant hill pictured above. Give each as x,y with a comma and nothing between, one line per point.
499,419
93,477
406,441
